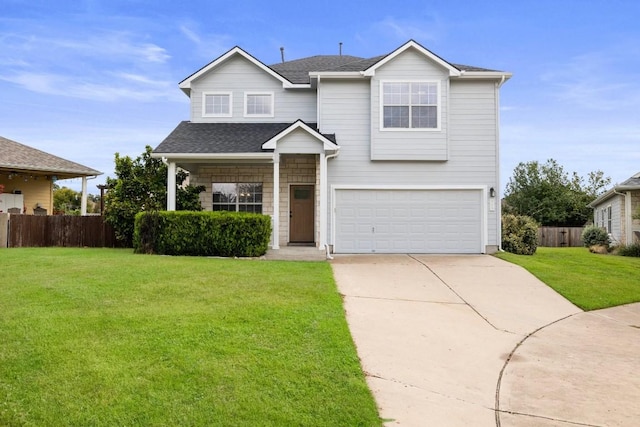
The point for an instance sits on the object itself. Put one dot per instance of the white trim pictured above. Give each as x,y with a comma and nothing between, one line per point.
276,203
628,218
371,71
214,156
214,93
258,92
492,75
185,85
438,128
322,202
299,124
336,74
171,186
484,225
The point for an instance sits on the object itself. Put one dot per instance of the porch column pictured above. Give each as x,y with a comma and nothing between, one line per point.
83,200
323,202
628,218
171,186
276,202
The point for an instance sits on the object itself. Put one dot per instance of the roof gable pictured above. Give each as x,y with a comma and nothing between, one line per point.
299,124
185,85
371,70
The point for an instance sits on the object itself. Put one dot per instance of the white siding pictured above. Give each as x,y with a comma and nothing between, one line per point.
237,75
299,142
409,144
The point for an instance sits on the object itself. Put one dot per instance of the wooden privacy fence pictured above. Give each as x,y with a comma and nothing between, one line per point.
560,237
60,230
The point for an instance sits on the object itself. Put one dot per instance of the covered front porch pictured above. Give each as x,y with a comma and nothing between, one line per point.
286,179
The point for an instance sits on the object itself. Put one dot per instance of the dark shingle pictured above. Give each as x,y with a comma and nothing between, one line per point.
206,138
297,71
17,156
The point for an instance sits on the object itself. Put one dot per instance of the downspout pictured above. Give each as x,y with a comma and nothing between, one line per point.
326,159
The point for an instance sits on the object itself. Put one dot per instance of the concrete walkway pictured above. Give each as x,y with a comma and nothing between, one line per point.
476,341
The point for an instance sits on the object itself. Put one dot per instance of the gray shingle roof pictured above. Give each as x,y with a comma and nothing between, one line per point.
206,138
634,181
297,71
20,157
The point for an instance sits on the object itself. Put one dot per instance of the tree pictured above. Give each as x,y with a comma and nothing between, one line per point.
548,194
141,185
68,201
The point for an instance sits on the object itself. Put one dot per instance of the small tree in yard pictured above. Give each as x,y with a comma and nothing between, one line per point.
519,234
141,185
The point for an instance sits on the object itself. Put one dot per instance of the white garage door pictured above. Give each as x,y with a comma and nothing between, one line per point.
408,221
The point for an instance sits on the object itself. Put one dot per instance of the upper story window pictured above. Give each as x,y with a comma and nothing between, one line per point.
258,104
216,104
410,105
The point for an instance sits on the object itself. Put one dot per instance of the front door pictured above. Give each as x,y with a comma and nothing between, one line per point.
301,221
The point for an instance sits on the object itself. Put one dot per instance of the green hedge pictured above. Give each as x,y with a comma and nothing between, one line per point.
202,233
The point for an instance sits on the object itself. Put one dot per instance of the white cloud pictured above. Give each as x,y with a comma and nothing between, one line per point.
206,45
595,81
430,29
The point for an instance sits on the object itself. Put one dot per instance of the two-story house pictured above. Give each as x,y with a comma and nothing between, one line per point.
393,154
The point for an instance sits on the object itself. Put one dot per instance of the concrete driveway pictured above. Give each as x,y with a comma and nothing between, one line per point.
476,341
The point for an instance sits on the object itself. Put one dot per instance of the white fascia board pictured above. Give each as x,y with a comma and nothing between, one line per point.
327,144
213,156
186,83
492,75
453,71
336,74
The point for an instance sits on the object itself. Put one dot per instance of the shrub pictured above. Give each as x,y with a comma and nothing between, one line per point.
519,234
202,233
629,250
593,235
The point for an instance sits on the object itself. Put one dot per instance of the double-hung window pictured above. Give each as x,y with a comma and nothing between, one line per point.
258,104
237,197
410,105
216,104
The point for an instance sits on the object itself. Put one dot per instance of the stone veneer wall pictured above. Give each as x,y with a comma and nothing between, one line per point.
294,169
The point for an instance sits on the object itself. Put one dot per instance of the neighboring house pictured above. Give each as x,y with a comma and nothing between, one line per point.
397,153
614,211
28,174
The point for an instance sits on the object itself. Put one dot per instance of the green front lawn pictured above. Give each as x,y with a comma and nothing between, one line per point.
590,281
104,337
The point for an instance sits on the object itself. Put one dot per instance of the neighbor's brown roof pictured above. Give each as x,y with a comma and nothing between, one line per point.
19,157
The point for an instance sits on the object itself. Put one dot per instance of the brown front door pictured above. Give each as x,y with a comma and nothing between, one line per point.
301,221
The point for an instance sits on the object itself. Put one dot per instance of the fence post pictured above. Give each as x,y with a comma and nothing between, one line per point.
4,230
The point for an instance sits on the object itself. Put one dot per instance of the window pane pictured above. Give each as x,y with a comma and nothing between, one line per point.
224,193
216,104
396,117
259,104
424,94
424,117
396,93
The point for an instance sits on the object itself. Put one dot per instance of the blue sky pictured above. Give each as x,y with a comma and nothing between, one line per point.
85,79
